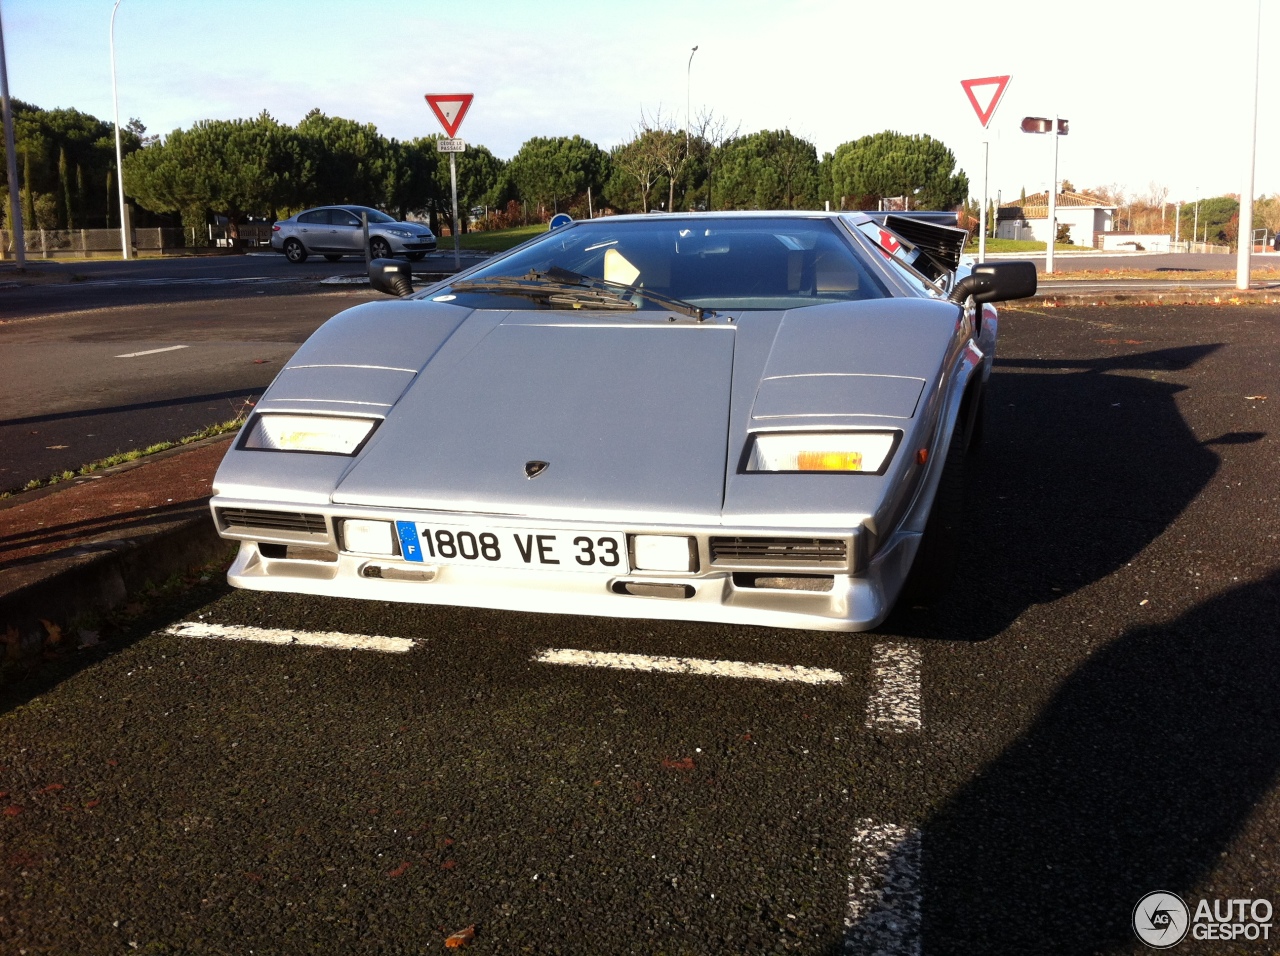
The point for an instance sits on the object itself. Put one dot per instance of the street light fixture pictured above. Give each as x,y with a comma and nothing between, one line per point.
115,102
1058,127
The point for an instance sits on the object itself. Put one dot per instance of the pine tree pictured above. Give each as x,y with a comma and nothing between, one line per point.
69,208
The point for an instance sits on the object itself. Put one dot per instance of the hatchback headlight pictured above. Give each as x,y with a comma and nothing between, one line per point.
401,233
865,452
330,435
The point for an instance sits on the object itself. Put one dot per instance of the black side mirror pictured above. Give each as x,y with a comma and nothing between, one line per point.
391,276
997,282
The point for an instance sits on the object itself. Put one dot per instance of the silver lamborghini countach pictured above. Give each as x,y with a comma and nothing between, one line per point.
755,418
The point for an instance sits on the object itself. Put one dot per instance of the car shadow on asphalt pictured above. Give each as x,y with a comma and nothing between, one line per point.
1136,777
1084,463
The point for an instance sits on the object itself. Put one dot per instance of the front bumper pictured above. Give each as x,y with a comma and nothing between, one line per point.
284,548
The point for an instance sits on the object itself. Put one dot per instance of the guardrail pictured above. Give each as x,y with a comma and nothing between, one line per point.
88,243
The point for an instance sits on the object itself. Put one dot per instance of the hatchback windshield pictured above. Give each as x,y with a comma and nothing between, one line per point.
728,263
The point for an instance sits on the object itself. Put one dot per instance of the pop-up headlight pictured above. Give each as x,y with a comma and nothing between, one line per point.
319,433
865,452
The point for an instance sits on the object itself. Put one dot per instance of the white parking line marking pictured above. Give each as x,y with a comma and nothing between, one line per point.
330,639
689,665
894,704
171,348
883,917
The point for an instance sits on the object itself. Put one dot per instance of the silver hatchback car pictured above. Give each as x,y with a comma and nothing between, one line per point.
335,231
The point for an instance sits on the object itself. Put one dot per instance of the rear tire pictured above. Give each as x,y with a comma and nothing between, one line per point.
938,557
295,251
331,257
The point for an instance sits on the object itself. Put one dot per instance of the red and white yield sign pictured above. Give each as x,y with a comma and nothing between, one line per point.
450,109
985,114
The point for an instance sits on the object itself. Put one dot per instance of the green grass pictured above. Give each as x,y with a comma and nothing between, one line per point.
120,459
1022,245
495,240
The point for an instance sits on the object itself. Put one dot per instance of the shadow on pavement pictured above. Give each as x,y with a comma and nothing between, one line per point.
1085,463
1135,778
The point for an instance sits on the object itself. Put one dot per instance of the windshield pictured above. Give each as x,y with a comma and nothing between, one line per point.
713,263
373,214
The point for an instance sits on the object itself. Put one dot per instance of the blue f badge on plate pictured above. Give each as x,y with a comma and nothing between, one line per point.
410,547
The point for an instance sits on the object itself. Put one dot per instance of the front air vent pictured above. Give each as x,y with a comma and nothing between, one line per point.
771,552
251,520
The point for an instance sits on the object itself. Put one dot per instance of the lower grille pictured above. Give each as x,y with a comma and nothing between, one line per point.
249,519
780,552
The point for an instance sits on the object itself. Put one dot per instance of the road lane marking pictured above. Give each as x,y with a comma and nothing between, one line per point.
329,639
883,915
171,348
894,704
689,665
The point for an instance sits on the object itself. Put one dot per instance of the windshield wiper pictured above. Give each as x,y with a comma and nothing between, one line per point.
558,285
552,293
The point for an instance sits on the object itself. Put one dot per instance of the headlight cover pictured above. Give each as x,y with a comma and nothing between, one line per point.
315,433
401,233
866,452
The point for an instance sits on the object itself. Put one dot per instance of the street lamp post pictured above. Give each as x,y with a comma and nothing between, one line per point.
15,204
1244,235
688,93
115,101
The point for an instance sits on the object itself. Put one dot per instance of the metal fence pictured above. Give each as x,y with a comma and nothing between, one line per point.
88,243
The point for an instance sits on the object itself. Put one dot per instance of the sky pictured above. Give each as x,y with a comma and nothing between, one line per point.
1156,93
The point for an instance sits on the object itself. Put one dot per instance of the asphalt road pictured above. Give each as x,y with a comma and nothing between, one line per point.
1095,716
79,386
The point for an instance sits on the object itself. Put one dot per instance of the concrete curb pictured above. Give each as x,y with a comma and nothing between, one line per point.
91,581
1154,297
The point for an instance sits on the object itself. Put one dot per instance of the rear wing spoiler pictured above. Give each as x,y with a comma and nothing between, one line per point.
934,233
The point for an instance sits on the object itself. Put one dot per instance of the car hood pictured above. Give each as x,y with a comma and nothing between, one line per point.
630,415
413,227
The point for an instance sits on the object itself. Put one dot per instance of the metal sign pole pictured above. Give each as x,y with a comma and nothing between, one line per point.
453,179
982,214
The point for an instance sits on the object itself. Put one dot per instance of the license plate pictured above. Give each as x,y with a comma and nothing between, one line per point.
604,552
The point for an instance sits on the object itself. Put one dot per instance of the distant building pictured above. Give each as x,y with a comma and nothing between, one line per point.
1086,216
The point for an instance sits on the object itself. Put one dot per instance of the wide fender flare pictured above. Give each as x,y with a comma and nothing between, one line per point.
965,383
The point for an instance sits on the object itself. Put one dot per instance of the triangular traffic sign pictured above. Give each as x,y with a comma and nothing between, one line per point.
999,82
450,108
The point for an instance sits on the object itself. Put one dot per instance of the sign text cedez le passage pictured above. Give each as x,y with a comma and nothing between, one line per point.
573,550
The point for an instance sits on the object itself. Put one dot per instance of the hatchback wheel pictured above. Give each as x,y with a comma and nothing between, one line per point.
379,248
295,251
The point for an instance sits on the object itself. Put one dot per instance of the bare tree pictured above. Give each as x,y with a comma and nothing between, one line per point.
666,146
711,132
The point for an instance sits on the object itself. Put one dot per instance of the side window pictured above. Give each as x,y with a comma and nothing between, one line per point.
315,217
340,217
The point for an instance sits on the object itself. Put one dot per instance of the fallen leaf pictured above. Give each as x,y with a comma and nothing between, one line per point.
54,632
89,638
56,447
113,762
12,811
53,787
1255,398
13,642
90,804
448,864
461,938
684,763
400,870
